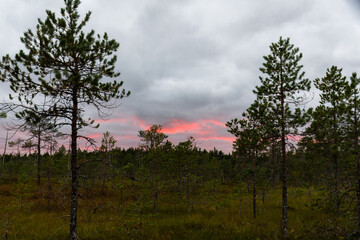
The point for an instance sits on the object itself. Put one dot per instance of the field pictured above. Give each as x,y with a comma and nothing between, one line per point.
223,212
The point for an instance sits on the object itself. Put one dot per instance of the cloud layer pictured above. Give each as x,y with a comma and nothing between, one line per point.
192,65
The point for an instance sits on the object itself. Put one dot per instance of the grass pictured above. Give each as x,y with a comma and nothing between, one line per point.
226,215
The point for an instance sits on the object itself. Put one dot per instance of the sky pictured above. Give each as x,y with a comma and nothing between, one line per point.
191,65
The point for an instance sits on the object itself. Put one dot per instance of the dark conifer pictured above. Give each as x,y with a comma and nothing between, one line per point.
281,84
66,65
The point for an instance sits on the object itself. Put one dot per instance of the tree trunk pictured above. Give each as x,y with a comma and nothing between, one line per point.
284,189
49,188
106,165
38,156
104,176
283,165
336,176
356,148
273,165
358,186
74,170
6,140
188,189
254,186
335,158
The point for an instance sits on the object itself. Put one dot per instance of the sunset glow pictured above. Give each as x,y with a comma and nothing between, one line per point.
208,132
96,135
180,126
227,139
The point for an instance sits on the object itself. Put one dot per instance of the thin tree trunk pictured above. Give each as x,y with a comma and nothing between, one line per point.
356,148
6,140
74,170
254,186
38,157
336,166
188,189
273,166
104,177
335,158
284,189
106,165
49,188
358,186
336,175
155,182
283,167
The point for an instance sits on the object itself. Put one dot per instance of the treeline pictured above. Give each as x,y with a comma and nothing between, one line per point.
157,162
306,166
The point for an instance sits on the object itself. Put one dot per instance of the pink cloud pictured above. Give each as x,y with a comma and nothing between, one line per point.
137,122
214,122
227,139
210,132
96,135
203,126
180,126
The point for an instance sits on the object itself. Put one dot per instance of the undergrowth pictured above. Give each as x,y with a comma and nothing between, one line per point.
42,213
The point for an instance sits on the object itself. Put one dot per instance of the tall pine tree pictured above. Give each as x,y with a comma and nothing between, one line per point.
281,84
353,109
68,66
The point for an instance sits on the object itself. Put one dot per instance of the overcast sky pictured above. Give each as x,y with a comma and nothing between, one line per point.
191,65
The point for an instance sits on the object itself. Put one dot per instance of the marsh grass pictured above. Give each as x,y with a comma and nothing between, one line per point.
226,214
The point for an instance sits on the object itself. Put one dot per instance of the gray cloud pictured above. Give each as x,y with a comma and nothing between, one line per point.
194,60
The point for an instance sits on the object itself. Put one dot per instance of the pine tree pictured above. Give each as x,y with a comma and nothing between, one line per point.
42,131
281,85
251,137
186,156
353,102
329,120
152,140
107,145
67,66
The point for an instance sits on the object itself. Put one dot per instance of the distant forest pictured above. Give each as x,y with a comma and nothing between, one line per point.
294,172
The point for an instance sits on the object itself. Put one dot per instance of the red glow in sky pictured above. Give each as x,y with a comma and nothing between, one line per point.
210,133
180,126
96,135
227,139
